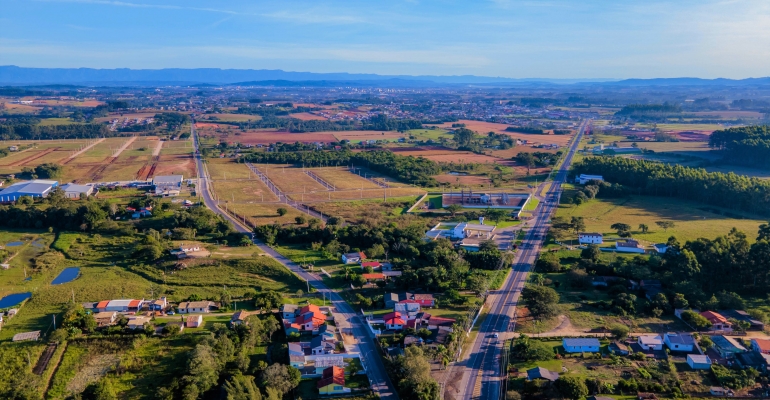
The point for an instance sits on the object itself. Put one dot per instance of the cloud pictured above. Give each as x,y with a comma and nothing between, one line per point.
143,5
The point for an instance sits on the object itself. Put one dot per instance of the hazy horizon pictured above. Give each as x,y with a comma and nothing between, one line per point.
512,39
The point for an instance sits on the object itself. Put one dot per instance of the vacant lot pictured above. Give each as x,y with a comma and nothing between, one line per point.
692,220
357,194
264,214
291,180
227,168
449,155
242,191
343,179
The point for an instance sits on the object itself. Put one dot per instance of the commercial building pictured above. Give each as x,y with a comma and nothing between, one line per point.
33,188
168,185
73,191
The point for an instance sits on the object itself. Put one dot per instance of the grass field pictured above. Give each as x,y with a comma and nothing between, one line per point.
265,213
343,178
432,134
291,180
242,191
358,210
692,220
226,168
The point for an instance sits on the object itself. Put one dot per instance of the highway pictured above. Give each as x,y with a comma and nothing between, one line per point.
371,360
481,378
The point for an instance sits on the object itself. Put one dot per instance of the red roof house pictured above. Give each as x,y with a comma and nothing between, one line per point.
435,322
374,277
718,321
394,321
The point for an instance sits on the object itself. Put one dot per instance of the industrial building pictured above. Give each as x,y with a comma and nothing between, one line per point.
33,188
168,185
73,191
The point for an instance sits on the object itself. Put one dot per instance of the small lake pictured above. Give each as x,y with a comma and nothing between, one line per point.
14,244
14,299
68,275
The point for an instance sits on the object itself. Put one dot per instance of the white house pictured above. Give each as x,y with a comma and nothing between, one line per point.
394,321
581,345
583,178
353,258
697,361
187,307
629,246
679,341
650,342
590,238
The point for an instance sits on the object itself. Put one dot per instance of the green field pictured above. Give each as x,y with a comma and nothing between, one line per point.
693,220
432,134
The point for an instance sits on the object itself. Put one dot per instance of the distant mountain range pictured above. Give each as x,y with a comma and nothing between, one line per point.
21,76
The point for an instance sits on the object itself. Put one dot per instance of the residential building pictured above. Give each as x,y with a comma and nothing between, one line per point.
679,341
424,300
137,322
698,361
35,188
628,246
332,381
375,265
436,322
590,238
394,321
310,318
727,347
319,346
541,373
581,345
718,321
650,342
618,348
740,315
205,306
324,362
239,317
407,307
584,178
373,277
296,361
751,359
721,392
105,318
760,345
158,305
289,311
74,191
353,258
194,321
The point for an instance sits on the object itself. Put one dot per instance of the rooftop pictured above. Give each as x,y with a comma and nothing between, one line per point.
581,342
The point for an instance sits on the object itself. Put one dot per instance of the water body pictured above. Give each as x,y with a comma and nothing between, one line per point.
68,275
14,299
14,244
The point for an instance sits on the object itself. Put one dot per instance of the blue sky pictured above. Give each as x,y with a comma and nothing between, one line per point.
509,38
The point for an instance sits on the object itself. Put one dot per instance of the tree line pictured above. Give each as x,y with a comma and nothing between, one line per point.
747,145
10,130
415,170
737,192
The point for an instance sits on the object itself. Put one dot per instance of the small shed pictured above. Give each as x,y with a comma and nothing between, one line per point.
194,321
698,361
26,336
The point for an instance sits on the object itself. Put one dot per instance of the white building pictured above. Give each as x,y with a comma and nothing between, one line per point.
590,238
73,191
628,246
584,178
650,342
679,341
167,184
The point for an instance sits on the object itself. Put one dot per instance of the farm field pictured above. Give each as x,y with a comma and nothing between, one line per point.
357,194
730,114
266,137
357,136
692,220
432,134
679,147
485,127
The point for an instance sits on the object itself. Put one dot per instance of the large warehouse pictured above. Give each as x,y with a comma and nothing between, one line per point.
33,188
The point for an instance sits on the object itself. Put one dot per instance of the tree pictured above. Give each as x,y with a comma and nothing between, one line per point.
591,252
454,209
541,301
695,320
268,300
571,387
526,159
242,387
496,214
578,224
26,201
203,368
643,227
548,262
279,377
354,365
512,395
282,211
101,390
358,281
300,219
666,225
413,376
621,228
619,331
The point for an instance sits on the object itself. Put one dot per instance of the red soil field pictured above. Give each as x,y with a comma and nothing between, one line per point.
169,165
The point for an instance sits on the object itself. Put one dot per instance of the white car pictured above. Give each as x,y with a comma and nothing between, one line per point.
496,335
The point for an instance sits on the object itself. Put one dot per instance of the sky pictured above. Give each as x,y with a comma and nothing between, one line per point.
555,39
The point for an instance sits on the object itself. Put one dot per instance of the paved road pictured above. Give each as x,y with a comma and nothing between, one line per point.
366,346
482,369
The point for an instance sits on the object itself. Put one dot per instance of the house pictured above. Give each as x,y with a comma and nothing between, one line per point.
651,287
74,191
105,318
332,381
661,248
165,184
394,321
36,188
13,148
121,306
204,306
760,345
328,333
353,258
740,315
424,300
309,318
721,392
137,322
289,311
628,246
581,345
319,346
373,277
590,238
718,321
698,361
541,373
727,347
290,327
297,361
375,265
407,307
239,317
194,321
646,396
584,178
751,359
618,348
25,336
436,322
158,305
324,362
679,341
466,230
650,342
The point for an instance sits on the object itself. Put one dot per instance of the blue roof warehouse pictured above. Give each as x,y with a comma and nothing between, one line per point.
33,188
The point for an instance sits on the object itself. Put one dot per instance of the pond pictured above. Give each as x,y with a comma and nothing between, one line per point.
14,299
14,244
68,275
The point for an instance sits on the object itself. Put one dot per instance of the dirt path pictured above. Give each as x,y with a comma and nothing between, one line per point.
124,147
158,146
85,149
